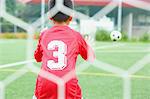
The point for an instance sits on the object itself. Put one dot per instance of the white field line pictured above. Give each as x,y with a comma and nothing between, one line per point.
16,64
82,66
108,67
148,48
138,3
104,11
2,91
139,64
127,88
15,76
7,42
124,51
98,74
109,46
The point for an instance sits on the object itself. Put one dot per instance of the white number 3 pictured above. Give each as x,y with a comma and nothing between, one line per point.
60,55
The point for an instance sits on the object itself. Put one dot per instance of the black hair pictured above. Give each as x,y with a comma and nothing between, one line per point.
60,17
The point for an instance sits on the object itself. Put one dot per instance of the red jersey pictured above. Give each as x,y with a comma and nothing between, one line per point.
58,49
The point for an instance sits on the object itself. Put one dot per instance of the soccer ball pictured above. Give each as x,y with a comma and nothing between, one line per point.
115,36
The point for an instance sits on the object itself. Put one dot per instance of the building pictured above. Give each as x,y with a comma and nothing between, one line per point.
135,13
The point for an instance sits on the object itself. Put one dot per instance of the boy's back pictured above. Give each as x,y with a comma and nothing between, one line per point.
60,47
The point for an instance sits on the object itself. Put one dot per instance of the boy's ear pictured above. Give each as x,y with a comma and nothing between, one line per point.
70,18
51,19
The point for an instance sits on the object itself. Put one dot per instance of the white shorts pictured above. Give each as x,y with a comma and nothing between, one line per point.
34,97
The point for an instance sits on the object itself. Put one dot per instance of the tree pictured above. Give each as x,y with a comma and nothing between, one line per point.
11,6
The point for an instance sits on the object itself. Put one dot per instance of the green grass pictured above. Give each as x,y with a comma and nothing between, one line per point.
101,86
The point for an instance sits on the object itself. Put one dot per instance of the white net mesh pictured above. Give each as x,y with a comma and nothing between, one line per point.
29,66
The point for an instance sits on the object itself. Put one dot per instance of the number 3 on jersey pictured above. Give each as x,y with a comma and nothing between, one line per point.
60,55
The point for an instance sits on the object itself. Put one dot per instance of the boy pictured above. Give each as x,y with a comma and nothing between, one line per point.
58,49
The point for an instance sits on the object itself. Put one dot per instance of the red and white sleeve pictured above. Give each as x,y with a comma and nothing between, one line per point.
38,54
85,50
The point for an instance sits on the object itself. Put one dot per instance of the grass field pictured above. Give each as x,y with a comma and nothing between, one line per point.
96,83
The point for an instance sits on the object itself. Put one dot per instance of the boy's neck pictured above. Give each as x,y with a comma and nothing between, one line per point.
60,24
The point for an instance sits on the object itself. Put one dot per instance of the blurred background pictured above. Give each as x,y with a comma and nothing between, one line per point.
132,19
121,69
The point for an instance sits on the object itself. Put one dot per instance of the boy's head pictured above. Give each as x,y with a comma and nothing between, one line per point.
61,17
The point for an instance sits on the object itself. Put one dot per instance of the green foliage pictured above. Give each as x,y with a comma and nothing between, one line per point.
11,6
21,35
124,36
13,36
36,35
6,26
30,13
134,39
8,36
102,35
145,37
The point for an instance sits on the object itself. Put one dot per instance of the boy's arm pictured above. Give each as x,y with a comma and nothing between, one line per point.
85,50
38,52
